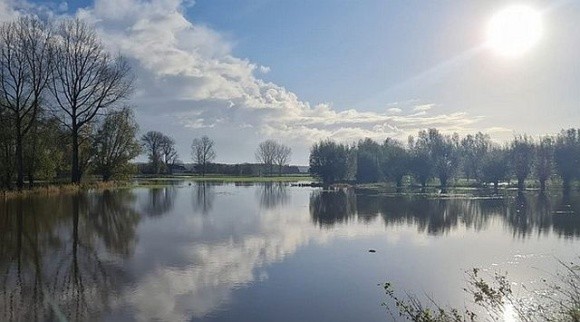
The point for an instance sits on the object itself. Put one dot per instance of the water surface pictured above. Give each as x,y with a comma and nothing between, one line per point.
265,252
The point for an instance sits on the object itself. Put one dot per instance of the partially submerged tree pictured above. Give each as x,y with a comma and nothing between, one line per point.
473,150
87,81
115,144
330,161
567,156
368,160
394,163
521,157
203,153
544,160
26,59
495,166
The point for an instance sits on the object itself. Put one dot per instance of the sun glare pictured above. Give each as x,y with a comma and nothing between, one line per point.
514,30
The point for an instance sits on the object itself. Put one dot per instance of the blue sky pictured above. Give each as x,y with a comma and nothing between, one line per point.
299,71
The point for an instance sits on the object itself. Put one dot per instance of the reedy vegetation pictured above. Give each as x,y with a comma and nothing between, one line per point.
433,155
557,299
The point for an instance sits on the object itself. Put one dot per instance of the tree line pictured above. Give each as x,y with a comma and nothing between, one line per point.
163,157
62,98
432,155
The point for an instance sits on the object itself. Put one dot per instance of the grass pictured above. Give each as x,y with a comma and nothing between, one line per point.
54,189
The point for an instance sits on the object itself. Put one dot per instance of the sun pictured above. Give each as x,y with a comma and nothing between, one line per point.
514,30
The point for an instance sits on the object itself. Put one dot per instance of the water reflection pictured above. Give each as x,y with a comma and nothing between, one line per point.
330,207
204,196
522,213
160,200
273,194
53,254
95,256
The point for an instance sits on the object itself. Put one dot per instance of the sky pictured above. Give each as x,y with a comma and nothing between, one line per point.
242,71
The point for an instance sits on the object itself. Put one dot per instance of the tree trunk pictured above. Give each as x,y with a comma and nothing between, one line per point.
75,171
542,185
495,186
19,156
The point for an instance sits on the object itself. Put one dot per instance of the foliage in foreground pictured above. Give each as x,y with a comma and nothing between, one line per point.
558,301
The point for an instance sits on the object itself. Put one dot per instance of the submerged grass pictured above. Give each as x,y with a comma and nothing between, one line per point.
60,188
54,189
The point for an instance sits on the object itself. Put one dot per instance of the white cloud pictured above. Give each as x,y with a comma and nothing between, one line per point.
422,108
187,71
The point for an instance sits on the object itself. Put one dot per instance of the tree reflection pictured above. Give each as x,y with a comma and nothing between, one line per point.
523,214
330,207
273,194
57,254
160,201
204,197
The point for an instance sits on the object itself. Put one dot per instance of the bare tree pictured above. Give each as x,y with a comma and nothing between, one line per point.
87,81
26,57
169,153
282,157
266,154
203,152
152,143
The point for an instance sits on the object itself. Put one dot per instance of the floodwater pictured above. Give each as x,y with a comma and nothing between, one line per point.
266,252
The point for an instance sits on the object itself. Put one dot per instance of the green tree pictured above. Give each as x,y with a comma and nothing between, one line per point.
544,160
330,161
26,57
152,144
395,160
368,155
495,166
115,144
522,158
567,155
473,150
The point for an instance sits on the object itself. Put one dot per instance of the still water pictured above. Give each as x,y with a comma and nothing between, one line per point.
265,252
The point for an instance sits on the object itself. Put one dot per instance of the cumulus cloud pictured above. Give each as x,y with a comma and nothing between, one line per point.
187,71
